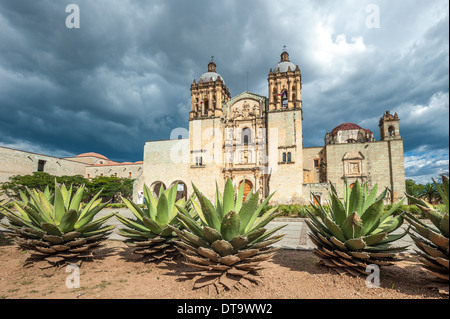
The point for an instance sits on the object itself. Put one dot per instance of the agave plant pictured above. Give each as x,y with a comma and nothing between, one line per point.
355,233
432,240
55,227
149,233
230,240
2,204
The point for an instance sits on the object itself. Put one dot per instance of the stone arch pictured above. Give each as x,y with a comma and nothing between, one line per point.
205,106
391,130
249,185
156,187
182,190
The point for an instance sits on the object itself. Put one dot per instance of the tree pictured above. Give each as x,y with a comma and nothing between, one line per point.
413,189
429,192
112,188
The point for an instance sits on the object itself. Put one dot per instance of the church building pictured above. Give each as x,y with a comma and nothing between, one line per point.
258,140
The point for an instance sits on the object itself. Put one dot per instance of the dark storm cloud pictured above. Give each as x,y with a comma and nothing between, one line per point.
123,78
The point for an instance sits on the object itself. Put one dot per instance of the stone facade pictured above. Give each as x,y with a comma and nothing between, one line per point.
16,162
259,141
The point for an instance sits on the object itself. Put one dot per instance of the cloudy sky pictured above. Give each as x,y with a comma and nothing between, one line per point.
123,77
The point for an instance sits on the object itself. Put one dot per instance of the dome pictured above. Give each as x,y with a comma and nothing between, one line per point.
283,67
206,77
348,127
284,64
211,74
91,154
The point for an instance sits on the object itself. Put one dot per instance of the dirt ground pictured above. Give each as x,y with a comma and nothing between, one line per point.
117,273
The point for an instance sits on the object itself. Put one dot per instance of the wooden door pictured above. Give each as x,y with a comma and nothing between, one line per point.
247,188
317,200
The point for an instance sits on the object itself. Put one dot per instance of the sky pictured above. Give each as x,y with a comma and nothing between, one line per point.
122,76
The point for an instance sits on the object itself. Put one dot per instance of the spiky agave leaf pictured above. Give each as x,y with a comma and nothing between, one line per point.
433,240
149,234
355,233
56,228
229,240
3,203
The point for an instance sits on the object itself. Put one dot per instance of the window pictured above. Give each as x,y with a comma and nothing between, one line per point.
391,131
284,157
316,163
129,174
41,165
199,161
350,141
157,187
289,157
205,107
246,136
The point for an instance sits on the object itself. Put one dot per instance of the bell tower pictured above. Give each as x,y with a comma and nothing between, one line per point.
285,85
284,131
208,95
389,127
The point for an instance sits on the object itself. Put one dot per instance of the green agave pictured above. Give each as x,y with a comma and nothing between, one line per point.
432,240
55,227
2,203
229,241
355,233
150,233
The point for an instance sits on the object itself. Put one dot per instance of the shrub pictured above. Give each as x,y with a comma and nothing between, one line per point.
112,187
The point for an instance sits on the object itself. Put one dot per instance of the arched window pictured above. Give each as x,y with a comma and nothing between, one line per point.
157,187
284,157
284,98
391,131
246,136
205,106
289,157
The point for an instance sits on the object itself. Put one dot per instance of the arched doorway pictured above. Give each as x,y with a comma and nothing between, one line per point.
156,188
181,190
317,199
247,188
